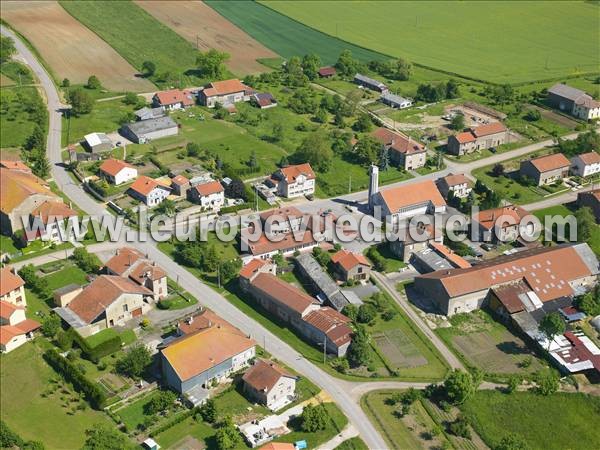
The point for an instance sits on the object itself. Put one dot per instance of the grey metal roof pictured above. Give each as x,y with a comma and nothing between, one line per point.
565,91
321,280
395,98
368,80
66,289
588,257
70,317
151,125
352,297
432,260
152,113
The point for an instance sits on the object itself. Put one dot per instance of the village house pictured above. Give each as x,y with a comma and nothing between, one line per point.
15,165
327,72
285,244
370,83
586,164
476,139
282,220
408,242
148,130
180,185
149,191
225,93
209,195
294,181
269,384
409,200
45,221
191,363
12,287
173,99
98,142
316,323
546,169
131,263
573,101
501,224
117,172
320,283
395,101
15,328
546,273
351,266
264,100
458,184
590,199
106,302
20,193
403,151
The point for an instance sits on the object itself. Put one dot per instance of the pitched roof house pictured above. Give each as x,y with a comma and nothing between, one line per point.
225,92
403,150
458,184
295,180
269,384
408,200
546,169
15,328
483,137
210,195
12,287
506,218
351,266
149,191
173,99
585,164
118,172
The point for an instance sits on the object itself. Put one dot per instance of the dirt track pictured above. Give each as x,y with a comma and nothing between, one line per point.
69,48
202,26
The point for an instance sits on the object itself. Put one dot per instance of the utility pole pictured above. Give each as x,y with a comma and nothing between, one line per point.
68,125
324,349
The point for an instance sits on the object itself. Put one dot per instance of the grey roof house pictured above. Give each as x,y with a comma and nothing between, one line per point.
370,83
395,101
146,113
327,290
148,130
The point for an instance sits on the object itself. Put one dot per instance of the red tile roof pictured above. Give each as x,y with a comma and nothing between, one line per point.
7,309
550,162
487,219
456,260
464,137
114,166
101,293
7,332
283,242
452,180
490,128
144,185
264,375
179,180
412,194
332,323
212,187
174,96
145,270
348,260
290,173
284,212
201,321
252,267
327,71
9,281
284,292
225,87
15,165
548,270
590,158
397,141
125,258
54,210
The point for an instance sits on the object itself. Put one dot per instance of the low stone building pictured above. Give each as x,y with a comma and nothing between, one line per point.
117,172
546,169
403,151
573,101
148,130
351,266
370,83
98,142
180,185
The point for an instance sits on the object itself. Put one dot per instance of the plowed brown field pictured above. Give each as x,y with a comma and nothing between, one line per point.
69,48
203,26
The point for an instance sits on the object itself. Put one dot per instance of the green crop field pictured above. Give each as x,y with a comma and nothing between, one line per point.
137,36
505,42
285,36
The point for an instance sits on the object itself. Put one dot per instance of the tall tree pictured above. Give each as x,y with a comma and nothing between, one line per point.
552,325
459,386
81,102
346,65
7,48
316,150
149,68
212,63
310,65
585,223
359,352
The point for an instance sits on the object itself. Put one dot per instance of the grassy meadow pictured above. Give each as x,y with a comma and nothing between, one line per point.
517,44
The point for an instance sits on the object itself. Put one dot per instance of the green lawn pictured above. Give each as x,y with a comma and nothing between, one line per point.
15,122
354,443
139,37
391,261
24,378
18,72
522,44
284,36
70,274
529,415
7,245
127,337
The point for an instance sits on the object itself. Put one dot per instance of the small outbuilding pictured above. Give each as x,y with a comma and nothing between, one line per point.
98,142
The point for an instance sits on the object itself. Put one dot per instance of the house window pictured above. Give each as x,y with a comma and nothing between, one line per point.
125,307
360,269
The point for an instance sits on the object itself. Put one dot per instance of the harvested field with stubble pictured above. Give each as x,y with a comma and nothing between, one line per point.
69,48
203,26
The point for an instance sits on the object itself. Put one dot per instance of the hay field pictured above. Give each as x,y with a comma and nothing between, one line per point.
505,42
202,26
70,49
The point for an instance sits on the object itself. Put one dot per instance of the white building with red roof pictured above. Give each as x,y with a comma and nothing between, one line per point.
294,181
117,172
173,99
546,169
225,93
12,287
351,266
586,164
209,195
476,139
403,150
458,184
269,384
149,191
47,219
15,328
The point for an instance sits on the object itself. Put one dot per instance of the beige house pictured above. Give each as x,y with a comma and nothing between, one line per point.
15,328
403,151
12,287
499,224
458,184
294,181
351,266
476,139
546,169
132,264
269,384
106,302
586,164
225,93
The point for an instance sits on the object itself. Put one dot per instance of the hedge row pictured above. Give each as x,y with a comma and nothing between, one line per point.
101,350
93,394
180,418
